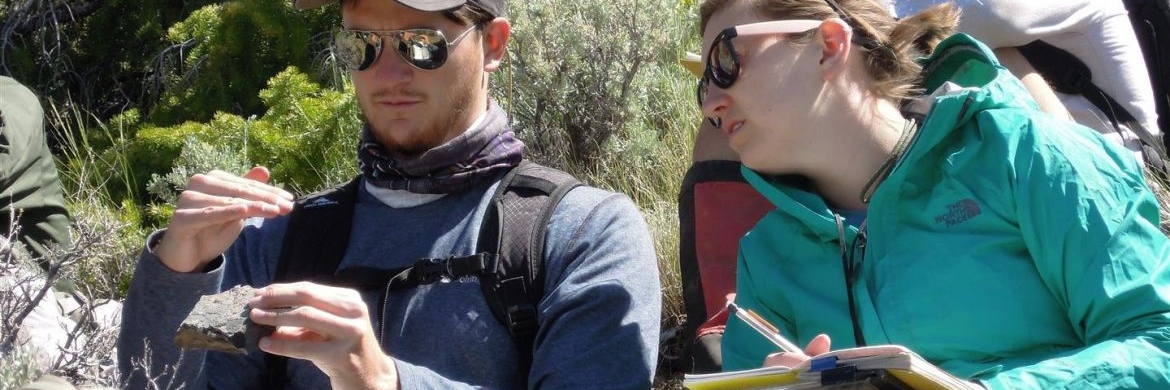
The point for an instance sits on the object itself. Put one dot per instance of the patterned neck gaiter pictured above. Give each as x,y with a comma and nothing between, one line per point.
479,154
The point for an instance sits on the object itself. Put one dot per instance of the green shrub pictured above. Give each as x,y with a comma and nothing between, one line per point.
230,50
579,73
307,138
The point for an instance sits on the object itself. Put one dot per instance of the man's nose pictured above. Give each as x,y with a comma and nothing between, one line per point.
390,66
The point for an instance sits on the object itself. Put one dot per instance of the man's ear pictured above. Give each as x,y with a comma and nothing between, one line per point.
495,43
836,40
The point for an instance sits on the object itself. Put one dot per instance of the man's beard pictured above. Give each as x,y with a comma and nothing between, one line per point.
432,136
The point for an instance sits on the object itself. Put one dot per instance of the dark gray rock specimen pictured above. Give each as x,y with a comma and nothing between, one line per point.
220,322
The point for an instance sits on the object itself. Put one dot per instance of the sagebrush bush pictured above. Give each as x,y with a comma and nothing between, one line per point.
576,71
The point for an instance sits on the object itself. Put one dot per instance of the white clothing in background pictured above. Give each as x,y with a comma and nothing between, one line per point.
1098,32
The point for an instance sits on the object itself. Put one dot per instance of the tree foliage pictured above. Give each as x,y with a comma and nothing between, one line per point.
172,61
220,56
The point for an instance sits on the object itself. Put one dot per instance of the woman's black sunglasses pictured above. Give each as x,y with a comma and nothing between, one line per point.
422,48
722,67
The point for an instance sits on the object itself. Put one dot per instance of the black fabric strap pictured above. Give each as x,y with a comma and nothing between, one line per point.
424,271
326,216
329,216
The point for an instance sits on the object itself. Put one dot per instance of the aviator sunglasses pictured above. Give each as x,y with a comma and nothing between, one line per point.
422,48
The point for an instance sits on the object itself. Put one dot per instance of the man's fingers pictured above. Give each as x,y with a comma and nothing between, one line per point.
257,178
248,185
199,218
245,186
220,209
293,342
338,301
258,173
308,317
222,184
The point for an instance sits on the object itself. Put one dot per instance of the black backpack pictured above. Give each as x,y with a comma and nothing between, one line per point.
1151,23
509,266
1068,74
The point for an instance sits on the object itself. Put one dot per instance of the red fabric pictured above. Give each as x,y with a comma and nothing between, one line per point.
724,211
715,324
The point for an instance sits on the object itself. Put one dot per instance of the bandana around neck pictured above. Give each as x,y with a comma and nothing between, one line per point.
483,151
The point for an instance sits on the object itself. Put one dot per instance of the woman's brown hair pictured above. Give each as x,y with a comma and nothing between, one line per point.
889,46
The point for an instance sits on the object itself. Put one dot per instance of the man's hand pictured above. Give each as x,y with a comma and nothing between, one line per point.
210,215
326,325
817,346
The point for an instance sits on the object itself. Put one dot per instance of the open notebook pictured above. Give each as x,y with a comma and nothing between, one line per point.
885,367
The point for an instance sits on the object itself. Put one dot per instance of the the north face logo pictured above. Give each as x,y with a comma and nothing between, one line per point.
959,212
320,202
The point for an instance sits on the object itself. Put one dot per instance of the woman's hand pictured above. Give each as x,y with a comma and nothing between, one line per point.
817,346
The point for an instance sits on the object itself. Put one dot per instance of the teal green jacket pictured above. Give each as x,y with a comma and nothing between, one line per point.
1006,246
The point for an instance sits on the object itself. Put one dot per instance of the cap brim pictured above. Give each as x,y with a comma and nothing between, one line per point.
432,5
421,5
693,63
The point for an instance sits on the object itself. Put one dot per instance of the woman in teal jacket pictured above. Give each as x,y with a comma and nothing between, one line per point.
1004,245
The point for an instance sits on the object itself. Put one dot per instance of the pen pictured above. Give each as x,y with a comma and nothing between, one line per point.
763,327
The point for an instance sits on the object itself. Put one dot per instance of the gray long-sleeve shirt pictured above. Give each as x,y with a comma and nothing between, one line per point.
598,320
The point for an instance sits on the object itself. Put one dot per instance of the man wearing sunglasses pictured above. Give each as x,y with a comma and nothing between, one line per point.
433,150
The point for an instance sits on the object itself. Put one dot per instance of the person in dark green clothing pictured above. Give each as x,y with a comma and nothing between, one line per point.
30,191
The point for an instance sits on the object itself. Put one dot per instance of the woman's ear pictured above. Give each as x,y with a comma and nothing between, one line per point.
836,40
495,43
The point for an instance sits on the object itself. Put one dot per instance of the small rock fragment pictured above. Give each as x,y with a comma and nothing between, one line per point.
219,322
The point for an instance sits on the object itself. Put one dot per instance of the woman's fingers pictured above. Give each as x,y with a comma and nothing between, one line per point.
785,359
818,345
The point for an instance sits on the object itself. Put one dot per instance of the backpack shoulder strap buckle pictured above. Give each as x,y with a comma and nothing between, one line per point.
428,270
521,320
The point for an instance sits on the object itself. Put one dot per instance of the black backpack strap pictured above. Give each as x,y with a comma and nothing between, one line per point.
522,206
317,234
1068,74
314,244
